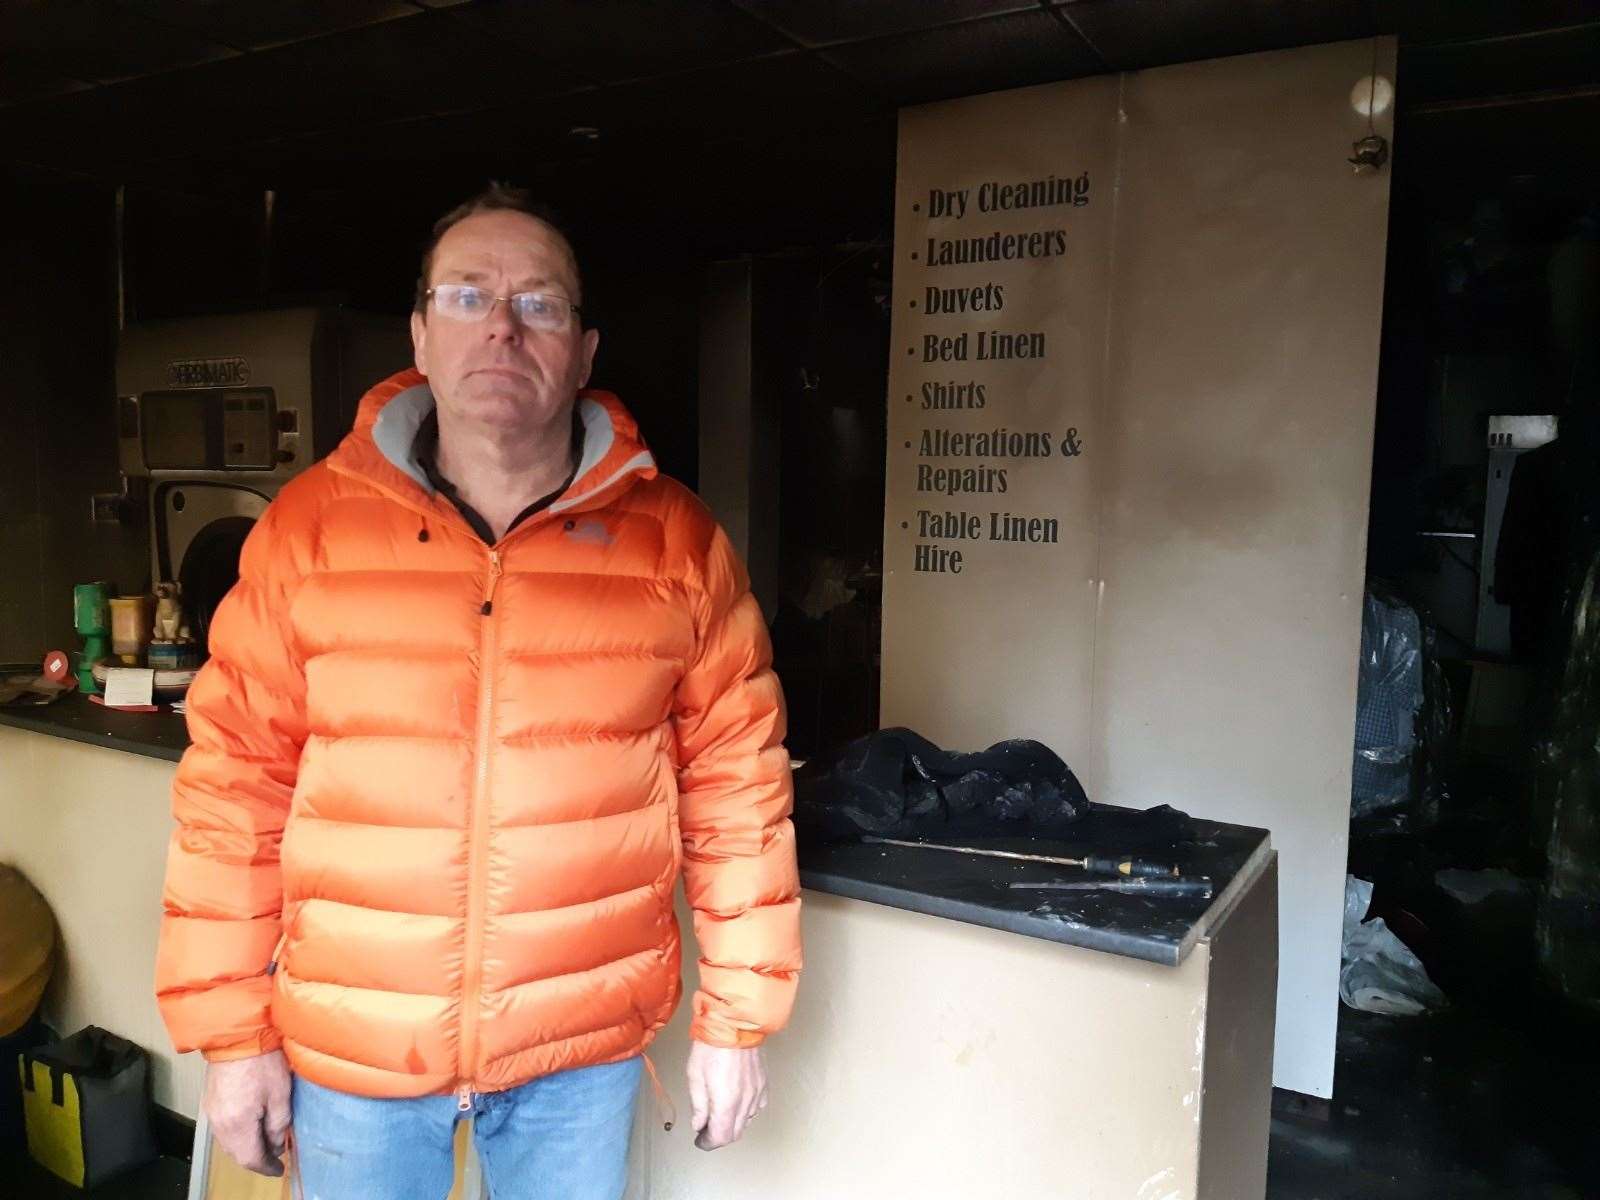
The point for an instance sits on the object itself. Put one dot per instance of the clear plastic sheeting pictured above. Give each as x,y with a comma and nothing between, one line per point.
1569,909
1378,973
1389,697
1475,887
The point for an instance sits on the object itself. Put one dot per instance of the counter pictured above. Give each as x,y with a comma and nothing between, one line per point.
955,1039
161,734
86,814
977,889
951,1038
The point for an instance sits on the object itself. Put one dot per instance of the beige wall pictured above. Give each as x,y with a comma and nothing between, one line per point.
89,827
1212,336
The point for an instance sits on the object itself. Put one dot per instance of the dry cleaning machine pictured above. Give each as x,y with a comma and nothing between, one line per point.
217,413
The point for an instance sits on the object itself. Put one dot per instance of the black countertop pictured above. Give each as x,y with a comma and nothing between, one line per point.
976,889
958,887
161,734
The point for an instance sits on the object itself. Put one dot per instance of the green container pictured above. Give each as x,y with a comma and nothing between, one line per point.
91,617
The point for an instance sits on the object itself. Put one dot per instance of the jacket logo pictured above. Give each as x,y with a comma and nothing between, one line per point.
592,531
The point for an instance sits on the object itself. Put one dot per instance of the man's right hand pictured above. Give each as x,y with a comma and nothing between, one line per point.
247,1103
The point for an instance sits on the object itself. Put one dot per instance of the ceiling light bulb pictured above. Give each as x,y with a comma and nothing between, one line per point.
1371,97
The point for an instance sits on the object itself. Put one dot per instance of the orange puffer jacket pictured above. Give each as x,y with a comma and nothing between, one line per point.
439,793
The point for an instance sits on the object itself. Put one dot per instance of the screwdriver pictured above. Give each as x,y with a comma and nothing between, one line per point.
1139,868
1156,885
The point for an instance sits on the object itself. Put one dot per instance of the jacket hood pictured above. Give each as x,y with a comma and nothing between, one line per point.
381,446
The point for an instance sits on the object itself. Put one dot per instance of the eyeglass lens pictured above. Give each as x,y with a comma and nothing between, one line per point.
536,310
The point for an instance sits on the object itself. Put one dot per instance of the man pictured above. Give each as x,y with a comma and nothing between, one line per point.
486,680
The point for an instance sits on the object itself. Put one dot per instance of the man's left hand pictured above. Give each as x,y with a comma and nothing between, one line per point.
727,1087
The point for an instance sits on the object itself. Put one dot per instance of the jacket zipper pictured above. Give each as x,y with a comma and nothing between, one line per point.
478,820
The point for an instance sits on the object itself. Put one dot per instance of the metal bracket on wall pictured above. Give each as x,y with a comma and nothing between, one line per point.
119,508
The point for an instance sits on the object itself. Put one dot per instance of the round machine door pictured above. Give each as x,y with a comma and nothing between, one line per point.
200,528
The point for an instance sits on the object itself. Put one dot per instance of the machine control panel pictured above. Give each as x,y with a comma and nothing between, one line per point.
247,428
209,429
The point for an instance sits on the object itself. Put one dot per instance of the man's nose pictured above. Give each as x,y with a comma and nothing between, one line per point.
502,322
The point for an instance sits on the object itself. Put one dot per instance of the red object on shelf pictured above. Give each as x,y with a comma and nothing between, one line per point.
58,668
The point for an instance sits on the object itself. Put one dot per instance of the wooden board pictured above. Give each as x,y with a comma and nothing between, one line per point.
1185,630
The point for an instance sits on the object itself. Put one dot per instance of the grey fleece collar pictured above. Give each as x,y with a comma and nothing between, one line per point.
395,435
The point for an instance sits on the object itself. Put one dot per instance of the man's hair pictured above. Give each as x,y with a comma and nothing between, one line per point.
497,197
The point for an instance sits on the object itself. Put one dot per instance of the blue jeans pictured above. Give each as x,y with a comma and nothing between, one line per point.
560,1137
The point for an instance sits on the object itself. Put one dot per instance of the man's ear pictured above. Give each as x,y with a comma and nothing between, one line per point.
419,341
591,343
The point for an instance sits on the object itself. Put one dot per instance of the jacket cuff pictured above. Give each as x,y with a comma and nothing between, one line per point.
264,1042
720,1035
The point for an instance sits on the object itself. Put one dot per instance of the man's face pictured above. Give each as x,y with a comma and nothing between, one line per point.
496,372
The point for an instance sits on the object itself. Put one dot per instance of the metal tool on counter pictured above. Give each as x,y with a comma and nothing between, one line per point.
1194,887
1138,868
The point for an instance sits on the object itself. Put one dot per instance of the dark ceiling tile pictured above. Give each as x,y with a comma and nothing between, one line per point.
819,22
23,79
1542,62
626,39
643,123
395,146
431,63
217,107
254,26
96,41
768,98
964,60
75,131
1131,34
342,84
1427,22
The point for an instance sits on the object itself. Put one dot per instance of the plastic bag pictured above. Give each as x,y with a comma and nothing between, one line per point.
1569,910
1389,696
1474,887
896,783
1378,972
1436,730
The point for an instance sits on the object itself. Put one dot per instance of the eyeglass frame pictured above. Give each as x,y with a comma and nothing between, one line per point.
576,309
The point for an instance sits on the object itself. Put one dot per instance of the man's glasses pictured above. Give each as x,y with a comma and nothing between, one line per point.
538,311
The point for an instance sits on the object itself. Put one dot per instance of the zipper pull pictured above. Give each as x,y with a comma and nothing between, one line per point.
487,606
277,952
664,1104
464,1098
